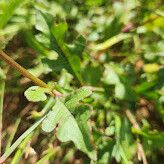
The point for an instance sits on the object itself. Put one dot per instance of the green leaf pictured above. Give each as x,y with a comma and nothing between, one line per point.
94,3
36,93
155,138
33,43
8,11
2,75
109,130
65,79
120,91
145,86
112,28
153,135
56,65
59,31
110,76
118,151
68,129
125,92
82,115
73,99
41,24
71,61
71,102
92,74
67,60
110,42
78,46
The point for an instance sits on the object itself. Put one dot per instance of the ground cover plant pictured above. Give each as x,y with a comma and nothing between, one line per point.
81,81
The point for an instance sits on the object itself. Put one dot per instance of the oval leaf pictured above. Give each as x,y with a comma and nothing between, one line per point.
36,93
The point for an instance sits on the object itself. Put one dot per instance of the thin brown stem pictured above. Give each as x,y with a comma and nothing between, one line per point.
22,70
141,153
129,27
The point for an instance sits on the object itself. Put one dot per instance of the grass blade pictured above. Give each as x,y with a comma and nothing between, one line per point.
13,133
20,139
44,159
2,88
21,149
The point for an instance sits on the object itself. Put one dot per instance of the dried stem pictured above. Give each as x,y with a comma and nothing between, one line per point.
22,70
141,153
129,27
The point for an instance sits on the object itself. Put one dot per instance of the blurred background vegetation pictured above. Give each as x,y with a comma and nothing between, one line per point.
115,47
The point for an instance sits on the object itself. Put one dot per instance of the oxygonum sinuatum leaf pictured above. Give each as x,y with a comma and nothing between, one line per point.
36,93
77,96
68,129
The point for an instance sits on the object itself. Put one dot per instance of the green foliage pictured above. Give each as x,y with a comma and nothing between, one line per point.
8,10
110,76
68,129
2,75
73,99
36,93
19,140
99,58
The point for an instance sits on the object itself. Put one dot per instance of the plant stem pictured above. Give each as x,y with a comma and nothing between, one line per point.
141,152
2,88
132,26
22,70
